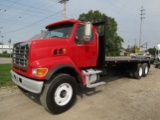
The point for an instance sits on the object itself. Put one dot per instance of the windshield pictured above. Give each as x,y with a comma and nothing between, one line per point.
59,31
157,52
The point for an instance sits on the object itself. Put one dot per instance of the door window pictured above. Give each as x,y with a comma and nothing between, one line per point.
80,35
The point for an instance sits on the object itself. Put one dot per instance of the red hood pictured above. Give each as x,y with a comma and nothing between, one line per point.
44,48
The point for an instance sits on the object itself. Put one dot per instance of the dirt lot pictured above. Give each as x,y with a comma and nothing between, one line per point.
120,99
5,60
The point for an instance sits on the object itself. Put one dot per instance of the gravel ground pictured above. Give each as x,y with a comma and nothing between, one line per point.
5,60
120,99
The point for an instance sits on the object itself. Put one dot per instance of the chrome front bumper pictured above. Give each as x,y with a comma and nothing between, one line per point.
26,83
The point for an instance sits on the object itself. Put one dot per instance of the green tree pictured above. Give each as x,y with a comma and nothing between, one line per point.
152,51
113,40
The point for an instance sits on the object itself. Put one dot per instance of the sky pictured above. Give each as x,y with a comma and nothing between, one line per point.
22,19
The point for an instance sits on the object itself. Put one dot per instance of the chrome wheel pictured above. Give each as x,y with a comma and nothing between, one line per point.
140,71
63,94
146,70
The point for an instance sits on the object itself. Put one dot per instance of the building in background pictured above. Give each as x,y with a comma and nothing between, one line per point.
38,36
6,49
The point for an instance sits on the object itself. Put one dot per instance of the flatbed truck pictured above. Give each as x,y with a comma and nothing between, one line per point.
70,55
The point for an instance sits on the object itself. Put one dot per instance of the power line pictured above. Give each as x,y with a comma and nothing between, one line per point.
24,12
10,6
32,23
20,16
30,6
31,11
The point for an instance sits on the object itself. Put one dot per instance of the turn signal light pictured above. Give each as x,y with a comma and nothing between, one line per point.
64,51
39,71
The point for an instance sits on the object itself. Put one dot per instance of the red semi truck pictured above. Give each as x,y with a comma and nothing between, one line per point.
71,54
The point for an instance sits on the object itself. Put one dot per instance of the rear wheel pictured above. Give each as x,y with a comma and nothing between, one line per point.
145,69
138,72
59,94
131,75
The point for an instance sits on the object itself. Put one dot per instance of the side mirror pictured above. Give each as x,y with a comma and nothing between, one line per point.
87,31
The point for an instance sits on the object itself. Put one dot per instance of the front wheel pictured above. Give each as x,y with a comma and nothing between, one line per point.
59,94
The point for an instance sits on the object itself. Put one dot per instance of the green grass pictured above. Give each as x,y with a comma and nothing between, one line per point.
6,55
5,77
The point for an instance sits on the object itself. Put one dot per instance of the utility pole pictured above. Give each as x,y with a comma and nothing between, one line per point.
135,47
2,44
140,38
9,42
146,46
64,9
2,39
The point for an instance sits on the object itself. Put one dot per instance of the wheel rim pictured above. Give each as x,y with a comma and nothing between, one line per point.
63,94
146,69
140,71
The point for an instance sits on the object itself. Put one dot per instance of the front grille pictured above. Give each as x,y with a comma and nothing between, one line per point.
20,55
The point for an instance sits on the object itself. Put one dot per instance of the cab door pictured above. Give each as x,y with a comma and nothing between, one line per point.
85,53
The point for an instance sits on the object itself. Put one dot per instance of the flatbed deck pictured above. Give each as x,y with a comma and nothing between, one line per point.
124,59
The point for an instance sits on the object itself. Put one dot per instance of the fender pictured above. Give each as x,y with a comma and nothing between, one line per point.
56,63
56,68
61,66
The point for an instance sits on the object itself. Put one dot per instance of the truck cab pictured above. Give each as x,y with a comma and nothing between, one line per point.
157,56
63,44
67,50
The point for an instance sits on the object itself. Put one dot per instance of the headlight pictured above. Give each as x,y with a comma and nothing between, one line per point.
39,71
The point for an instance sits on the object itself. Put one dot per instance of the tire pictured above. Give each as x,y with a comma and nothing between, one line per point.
59,94
145,69
138,72
131,75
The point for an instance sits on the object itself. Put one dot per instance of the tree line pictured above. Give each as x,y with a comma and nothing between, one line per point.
113,40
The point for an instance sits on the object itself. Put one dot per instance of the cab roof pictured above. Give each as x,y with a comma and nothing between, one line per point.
62,22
